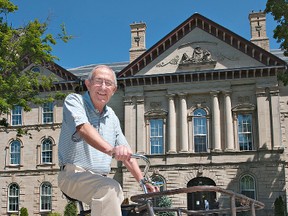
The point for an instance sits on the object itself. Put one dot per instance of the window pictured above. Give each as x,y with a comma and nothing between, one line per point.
13,198
200,130
48,113
15,152
160,180
245,137
156,136
16,116
46,197
247,186
35,69
46,151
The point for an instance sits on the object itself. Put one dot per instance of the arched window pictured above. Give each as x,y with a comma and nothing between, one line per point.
45,197
46,151
247,186
160,180
13,198
15,152
200,130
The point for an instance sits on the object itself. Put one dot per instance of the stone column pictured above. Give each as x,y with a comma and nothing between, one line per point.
216,129
130,122
171,124
264,125
229,123
183,124
275,119
140,127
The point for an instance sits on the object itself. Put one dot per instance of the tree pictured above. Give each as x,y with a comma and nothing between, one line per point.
70,209
279,10
19,48
279,207
165,201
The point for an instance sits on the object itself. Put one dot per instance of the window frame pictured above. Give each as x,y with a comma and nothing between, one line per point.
18,115
14,197
8,154
40,163
245,109
19,153
50,113
191,129
254,190
158,136
153,115
47,197
50,151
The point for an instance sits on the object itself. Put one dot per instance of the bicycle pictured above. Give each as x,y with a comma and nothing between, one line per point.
143,204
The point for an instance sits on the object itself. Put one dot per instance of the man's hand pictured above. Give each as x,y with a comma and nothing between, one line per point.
121,153
151,188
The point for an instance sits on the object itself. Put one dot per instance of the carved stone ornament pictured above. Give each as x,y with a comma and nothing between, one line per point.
200,57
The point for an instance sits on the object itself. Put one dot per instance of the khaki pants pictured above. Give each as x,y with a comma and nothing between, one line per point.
104,195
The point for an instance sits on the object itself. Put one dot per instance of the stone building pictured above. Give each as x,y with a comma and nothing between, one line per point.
204,104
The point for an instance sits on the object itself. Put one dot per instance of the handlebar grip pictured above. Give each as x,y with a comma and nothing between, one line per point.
146,160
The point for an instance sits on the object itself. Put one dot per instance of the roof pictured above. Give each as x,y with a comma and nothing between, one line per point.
198,21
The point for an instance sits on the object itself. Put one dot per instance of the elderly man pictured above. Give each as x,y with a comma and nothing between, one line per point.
90,135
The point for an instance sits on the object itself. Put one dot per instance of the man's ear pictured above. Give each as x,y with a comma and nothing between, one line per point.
87,83
115,89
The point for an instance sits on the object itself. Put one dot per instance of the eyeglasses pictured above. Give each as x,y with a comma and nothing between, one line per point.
99,82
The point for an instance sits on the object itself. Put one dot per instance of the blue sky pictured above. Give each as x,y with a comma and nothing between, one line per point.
101,28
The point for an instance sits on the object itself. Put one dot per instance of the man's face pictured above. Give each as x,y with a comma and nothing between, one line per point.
101,87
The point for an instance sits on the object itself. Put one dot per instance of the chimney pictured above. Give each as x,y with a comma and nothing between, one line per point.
258,29
138,33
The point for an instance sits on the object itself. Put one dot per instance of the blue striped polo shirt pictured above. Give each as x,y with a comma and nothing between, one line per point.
72,149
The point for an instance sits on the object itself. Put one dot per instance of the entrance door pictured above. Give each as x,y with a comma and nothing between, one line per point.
196,200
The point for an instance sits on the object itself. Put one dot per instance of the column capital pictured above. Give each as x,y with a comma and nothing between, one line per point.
128,100
214,93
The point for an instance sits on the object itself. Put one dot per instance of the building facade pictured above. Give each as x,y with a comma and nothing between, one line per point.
203,103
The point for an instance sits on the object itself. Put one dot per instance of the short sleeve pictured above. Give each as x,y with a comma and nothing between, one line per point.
74,109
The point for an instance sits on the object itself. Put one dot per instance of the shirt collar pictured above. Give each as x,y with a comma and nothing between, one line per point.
88,101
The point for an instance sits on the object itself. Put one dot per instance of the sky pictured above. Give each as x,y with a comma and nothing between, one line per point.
101,29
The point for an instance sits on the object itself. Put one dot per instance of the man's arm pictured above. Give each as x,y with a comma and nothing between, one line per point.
133,167
93,138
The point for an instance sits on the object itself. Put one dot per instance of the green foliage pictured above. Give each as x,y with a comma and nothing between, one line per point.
165,201
54,214
279,10
20,47
279,207
24,212
70,209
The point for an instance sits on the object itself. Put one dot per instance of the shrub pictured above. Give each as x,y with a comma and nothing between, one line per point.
70,209
24,212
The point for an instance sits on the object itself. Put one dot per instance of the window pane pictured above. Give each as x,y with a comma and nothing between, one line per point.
47,151
48,113
247,186
16,116
15,148
200,130
46,195
245,132
13,198
156,136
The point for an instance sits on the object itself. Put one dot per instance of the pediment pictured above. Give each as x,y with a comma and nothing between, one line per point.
199,44
63,79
